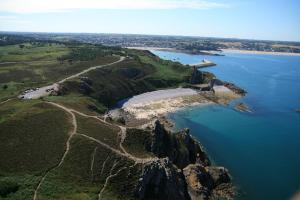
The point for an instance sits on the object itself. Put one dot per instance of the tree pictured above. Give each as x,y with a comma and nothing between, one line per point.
5,87
21,46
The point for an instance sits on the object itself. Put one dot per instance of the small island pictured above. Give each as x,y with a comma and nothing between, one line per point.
242,107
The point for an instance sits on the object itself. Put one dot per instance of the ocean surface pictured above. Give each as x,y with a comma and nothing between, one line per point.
260,149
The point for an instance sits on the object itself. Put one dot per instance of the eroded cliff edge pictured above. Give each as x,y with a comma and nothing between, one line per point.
182,170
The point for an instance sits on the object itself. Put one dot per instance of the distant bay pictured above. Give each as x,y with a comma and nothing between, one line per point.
260,149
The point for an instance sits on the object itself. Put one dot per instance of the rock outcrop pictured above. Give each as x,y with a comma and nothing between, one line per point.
207,182
235,88
162,180
199,77
179,147
182,169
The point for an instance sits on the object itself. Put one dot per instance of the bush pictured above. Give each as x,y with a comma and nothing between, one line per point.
7,187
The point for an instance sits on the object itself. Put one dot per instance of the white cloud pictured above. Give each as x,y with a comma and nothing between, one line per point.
44,6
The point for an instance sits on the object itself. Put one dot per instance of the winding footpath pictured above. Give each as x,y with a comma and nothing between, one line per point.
46,90
7,100
74,132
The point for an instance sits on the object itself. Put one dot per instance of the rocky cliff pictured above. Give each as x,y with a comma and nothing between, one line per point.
162,180
199,77
182,169
179,147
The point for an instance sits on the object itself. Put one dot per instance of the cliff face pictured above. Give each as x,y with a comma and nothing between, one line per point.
179,147
199,77
182,170
207,182
162,180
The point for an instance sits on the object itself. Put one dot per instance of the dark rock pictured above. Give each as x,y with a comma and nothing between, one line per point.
205,182
200,183
180,147
161,180
199,77
219,175
235,88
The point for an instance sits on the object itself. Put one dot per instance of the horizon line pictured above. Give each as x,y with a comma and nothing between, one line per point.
143,34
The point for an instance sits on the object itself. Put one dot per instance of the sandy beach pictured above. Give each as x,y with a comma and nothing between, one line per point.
259,52
161,102
153,48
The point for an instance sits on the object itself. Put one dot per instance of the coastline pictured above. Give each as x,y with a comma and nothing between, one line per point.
156,104
214,53
260,52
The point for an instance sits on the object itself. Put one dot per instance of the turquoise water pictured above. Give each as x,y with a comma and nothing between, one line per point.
260,149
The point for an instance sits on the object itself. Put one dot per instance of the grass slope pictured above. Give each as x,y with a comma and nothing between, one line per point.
83,174
32,140
41,64
141,72
98,130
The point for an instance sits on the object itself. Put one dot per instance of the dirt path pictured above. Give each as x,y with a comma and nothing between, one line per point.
122,128
74,132
92,163
107,179
46,90
74,123
90,69
28,62
111,176
7,100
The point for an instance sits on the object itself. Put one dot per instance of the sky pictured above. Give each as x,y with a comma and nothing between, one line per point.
248,19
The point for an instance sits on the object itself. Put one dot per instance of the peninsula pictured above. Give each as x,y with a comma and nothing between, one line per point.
62,138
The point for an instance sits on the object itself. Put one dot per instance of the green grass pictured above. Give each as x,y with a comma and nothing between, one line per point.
30,52
137,142
75,180
32,140
24,186
166,69
142,72
98,130
35,72
79,102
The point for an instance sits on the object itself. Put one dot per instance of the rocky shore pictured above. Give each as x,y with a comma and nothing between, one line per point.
183,170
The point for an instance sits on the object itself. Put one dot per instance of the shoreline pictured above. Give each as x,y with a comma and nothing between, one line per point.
259,52
174,50
156,104
241,51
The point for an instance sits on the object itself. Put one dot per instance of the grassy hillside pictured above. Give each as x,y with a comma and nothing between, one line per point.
140,72
39,64
32,140
98,130
34,134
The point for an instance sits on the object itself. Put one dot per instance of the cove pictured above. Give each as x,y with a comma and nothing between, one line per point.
260,149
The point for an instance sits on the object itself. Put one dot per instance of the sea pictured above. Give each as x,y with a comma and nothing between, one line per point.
260,149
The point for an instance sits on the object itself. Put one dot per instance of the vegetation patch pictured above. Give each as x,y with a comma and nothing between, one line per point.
95,128
33,140
138,143
84,172
81,103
